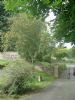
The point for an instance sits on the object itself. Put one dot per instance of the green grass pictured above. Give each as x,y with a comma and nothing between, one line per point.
3,62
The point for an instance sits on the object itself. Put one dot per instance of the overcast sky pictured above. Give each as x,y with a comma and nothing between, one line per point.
50,17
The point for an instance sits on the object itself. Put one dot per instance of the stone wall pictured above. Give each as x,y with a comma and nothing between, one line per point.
9,56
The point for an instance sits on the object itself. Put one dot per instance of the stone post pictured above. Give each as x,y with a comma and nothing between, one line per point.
56,73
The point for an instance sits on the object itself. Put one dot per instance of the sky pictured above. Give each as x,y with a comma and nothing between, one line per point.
51,17
68,45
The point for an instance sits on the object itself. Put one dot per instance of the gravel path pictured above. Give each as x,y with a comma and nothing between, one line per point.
61,90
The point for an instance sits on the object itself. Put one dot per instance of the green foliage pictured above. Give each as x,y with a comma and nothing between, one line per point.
29,38
60,53
34,7
24,96
64,25
64,9
34,84
19,77
9,42
1,42
44,76
46,64
3,63
3,23
3,18
26,32
15,76
47,45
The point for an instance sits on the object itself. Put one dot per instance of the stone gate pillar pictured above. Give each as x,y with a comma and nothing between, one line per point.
56,72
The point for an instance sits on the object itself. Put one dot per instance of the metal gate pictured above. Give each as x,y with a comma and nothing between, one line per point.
69,72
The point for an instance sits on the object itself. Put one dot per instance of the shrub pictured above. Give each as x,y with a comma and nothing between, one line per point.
15,77
20,76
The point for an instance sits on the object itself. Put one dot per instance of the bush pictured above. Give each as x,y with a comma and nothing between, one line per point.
20,76
15,77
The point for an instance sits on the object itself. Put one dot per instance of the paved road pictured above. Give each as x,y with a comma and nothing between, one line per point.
61,90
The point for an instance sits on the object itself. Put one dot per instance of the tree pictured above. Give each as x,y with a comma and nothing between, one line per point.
3,18
60,53
27,32
34,7
9,42
64,10
3,23
46,48
64,26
